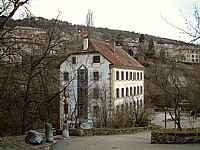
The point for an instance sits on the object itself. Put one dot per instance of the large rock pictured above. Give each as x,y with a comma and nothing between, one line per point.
33,137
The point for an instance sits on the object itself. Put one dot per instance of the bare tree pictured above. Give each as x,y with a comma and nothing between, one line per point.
173,82
29,87
192,29
89,18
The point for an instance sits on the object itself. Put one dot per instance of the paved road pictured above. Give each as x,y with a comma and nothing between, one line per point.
137,141
186,121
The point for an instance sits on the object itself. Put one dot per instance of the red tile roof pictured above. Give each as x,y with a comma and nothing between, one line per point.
185,47
117,56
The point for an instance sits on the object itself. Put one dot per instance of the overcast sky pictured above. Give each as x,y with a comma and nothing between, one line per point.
142,16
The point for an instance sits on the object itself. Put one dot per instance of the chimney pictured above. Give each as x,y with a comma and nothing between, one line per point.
85,42
112,44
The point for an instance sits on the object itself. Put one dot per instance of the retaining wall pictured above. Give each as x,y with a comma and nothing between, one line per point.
98,131
174,138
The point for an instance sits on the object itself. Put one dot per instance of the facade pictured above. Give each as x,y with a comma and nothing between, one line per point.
99,79
164,50
187,54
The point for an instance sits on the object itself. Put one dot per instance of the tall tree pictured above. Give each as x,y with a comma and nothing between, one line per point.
150,52
141,38
89,18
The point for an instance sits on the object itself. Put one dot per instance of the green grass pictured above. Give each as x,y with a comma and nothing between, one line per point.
183,131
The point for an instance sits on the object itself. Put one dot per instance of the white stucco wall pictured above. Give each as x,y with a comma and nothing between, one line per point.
87,60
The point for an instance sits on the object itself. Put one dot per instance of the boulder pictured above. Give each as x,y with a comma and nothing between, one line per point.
33,137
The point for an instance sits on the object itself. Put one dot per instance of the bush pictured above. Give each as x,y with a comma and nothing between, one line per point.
142,121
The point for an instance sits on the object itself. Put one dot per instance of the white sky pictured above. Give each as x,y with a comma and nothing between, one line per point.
142,16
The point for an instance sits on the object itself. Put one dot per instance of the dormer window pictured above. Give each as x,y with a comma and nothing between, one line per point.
96,59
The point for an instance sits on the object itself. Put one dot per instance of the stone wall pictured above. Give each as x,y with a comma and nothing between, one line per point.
174,138
109,131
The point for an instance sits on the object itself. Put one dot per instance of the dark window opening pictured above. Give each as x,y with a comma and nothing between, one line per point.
127,75
131,91
122,75
127,92
117,93
96,93
117,75
122,92
130,78
73,60
66,76
96,76
96,59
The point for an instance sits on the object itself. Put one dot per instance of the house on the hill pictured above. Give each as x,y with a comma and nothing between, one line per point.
187,54
100,79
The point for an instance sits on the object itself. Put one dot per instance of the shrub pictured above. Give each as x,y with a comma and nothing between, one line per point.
142,121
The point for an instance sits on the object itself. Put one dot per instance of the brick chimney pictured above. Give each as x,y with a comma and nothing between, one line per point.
112,44
85,42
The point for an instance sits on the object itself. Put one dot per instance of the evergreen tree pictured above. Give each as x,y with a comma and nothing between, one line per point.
119,40
150,52
141,38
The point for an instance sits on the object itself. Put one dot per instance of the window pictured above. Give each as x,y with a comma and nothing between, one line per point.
117,109
127,92
134,90
134,75
122,75
138,104
126,75
137,76
96,76
66,108
122,108
96,110
130,77
141,103
81,75
122,92
140,89
73,60
117,93
96,59
140,75
117,75
134,105
126,107
66,76
131,91
131,106
96,92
